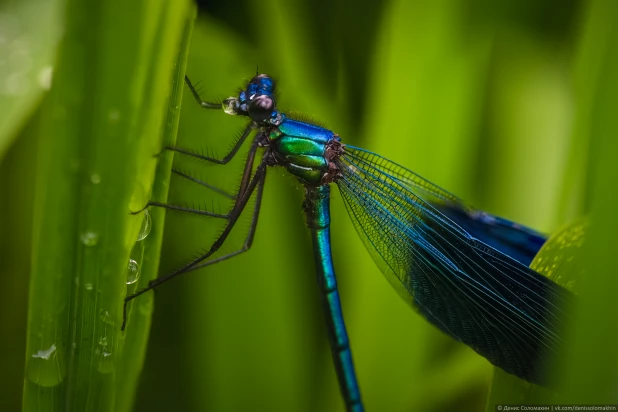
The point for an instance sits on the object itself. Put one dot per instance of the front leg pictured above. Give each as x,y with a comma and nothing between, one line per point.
226,158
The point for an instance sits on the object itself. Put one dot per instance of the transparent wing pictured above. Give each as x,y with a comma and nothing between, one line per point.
510,238
505,311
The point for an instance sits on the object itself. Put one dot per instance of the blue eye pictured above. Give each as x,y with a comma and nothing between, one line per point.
266,83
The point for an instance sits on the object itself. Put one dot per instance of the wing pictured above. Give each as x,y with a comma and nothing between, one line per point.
504,310
510,238
514,240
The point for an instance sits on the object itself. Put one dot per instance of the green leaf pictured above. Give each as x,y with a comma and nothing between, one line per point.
103,123
590,375
585,371
560,259
29,32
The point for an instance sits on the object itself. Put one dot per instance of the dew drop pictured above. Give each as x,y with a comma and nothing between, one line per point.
106,362
106,317
90,238
103,341
144,230
46,367
45,353
95,178
229,105
88,286
132,272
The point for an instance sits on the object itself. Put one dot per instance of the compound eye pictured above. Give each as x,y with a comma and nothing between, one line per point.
261,107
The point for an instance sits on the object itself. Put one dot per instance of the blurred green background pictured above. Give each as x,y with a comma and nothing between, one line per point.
505,104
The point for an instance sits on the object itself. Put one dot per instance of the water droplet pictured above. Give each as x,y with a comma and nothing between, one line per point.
46,367
229,105
106,363
88,286
103,341
45,353
132,272
144,230
46,75
90,238
95,179
106,317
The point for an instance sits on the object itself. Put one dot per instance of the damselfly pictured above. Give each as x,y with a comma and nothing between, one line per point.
464,270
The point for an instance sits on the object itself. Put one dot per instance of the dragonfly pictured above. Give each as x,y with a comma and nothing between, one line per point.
464,270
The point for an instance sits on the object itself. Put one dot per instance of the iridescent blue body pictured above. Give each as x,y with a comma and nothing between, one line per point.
301,148
465,271
317,208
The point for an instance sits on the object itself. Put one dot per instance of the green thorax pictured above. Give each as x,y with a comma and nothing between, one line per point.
307,151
